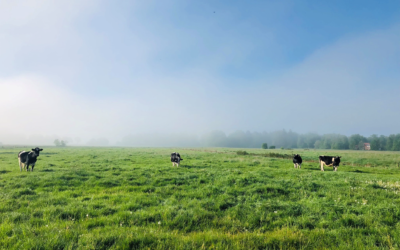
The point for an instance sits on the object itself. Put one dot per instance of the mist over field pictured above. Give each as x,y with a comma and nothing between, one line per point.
170,73
283,116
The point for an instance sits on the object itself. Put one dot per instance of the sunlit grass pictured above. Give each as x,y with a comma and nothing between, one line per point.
126,198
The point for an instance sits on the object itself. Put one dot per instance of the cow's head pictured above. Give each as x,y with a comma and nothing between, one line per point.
336,161
37,150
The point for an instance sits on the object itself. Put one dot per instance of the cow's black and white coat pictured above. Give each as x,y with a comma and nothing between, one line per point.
333,161
297,161
26,159
176,159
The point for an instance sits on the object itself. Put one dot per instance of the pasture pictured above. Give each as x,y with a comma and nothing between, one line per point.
132,198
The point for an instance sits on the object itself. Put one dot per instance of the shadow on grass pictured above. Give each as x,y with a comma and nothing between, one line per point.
359,171
192,166
326,170
317,169
376,186
339,170
47,170
4,171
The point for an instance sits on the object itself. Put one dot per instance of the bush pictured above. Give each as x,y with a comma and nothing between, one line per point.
242,152
264,146
271,147
59,143
277,155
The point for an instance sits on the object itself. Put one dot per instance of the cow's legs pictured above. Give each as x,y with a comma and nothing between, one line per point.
322,166
33,165
299,166
177,164
19,162
173,164
27,167
295,165
335,168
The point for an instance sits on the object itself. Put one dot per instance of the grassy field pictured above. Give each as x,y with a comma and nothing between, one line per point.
131,198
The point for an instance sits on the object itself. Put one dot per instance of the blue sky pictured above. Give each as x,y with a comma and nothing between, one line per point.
109,69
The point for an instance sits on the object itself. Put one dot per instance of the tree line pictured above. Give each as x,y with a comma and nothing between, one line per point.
289,139
278,139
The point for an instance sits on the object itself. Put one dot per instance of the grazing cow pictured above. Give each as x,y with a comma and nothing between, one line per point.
176,159
297,161
28,158
329,161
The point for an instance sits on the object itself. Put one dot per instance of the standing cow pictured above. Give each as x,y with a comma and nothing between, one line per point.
329,161
176,159
297,161
28,158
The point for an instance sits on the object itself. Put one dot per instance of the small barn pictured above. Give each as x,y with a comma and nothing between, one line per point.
367,146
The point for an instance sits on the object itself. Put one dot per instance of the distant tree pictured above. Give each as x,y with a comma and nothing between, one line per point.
280,138
271,147
334,141
292,138
396,143
360,145
382,142
317,144
344,142
59,143
310,139
300,142
357,142
327,144
238,139
264,145
389,142
375,142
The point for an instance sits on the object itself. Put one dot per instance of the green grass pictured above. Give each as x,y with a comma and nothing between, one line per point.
129,198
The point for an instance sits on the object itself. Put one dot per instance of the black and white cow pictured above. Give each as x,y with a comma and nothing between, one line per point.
26,159
333,161
297,161
176,159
